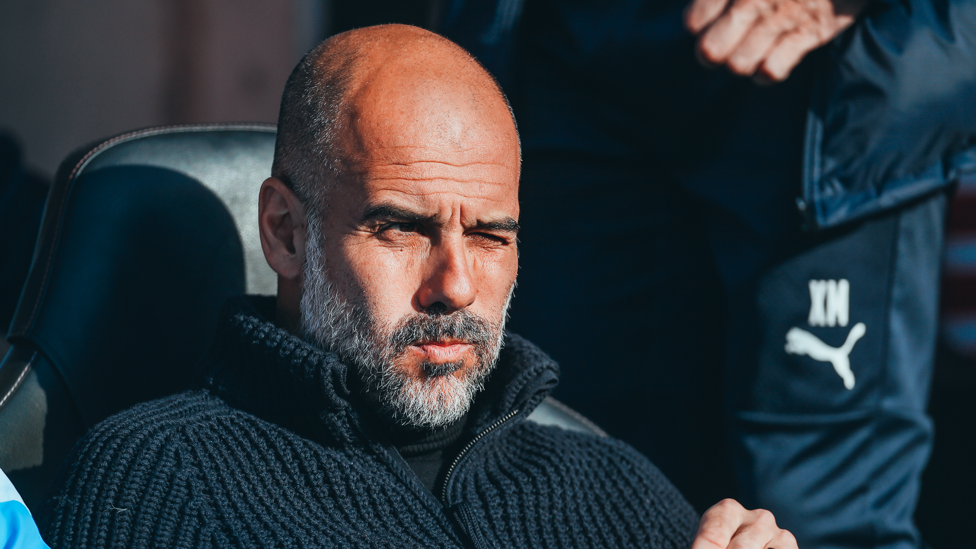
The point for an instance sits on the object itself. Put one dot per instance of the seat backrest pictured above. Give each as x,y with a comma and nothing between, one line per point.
143,238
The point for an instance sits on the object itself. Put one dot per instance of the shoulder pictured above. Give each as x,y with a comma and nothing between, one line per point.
132,471
157,420
568,435
584,454
600,478
152,433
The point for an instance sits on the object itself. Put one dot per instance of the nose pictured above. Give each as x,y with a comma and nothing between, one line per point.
449,285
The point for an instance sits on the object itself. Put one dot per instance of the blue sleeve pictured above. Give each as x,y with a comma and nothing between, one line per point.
17,527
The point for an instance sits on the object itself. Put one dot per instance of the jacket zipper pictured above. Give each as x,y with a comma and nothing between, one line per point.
461,513
474,540
467,448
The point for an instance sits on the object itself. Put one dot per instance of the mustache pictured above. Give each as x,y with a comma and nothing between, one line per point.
460,326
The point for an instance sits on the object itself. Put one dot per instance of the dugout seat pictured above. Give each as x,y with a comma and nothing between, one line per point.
144,236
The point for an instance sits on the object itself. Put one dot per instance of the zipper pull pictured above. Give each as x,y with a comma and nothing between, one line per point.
468,525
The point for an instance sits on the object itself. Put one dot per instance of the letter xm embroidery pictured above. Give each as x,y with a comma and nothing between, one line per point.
829,302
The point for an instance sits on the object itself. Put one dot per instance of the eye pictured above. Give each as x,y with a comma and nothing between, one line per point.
398,227
399,233
491,239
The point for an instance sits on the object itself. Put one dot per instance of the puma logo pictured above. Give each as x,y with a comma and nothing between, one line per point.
801,342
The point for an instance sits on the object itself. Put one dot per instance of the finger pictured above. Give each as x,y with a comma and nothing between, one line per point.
721,39
759,42
756,531
782,540
718,525
786,55
701,13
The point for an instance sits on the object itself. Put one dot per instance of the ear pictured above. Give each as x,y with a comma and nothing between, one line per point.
281,222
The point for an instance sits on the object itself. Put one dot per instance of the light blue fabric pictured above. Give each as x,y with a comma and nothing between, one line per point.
17,528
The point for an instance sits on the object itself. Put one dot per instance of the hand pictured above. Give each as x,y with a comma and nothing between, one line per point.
765,39
728,525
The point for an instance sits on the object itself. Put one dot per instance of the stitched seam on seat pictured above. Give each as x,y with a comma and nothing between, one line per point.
20,380
159,130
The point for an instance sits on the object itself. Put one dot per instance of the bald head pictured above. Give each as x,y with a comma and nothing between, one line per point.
379,94
392,215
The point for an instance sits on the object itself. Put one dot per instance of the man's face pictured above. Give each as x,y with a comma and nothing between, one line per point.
418,260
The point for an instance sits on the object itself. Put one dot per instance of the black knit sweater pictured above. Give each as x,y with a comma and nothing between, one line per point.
276,451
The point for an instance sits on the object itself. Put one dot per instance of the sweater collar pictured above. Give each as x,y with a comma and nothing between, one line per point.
263,369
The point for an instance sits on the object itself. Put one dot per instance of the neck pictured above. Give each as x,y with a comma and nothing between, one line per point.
420,440
287,309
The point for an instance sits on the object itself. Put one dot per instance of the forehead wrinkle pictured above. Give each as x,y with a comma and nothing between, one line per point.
478,190
411,148
410,163
484,172
492,173
421,178
424,194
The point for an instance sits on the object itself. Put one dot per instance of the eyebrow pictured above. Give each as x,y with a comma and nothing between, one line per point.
390,211
507,225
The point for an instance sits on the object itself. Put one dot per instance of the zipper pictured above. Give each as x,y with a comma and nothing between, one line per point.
461,521
467,448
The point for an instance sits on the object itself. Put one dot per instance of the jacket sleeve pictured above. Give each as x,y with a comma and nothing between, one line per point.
893,115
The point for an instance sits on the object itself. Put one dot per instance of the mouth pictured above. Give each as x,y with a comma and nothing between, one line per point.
441,351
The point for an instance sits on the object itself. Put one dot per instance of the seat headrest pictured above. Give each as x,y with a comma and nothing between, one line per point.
138,250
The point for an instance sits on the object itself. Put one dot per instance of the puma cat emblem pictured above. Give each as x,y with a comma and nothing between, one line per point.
801,342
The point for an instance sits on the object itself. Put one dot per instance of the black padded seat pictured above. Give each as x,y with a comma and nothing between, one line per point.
137,251
143,238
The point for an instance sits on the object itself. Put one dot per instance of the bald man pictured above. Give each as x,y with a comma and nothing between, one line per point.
356,408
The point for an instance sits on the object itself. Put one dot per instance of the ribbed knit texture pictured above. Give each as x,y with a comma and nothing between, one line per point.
276,452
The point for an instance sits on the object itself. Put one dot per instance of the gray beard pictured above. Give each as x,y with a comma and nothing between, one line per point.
377,351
